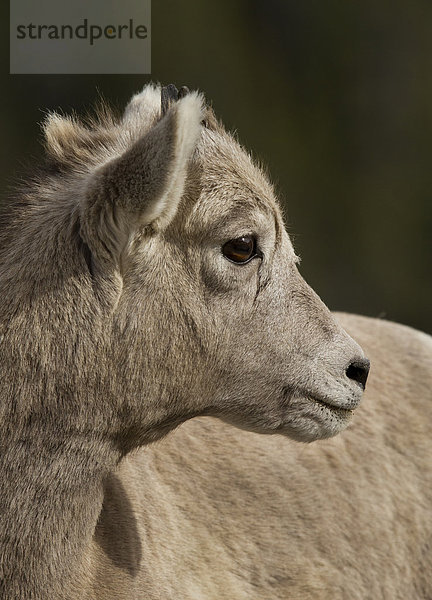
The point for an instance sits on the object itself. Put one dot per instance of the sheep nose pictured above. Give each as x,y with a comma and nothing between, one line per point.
358,371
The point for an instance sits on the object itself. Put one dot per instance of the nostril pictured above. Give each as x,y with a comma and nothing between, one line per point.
358,371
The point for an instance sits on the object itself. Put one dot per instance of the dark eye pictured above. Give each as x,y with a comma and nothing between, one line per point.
241,250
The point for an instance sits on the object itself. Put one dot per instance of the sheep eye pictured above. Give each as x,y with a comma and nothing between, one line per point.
241,250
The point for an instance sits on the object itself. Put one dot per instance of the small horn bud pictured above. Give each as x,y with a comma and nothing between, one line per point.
183,91
169,94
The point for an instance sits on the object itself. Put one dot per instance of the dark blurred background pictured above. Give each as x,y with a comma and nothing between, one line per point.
334,97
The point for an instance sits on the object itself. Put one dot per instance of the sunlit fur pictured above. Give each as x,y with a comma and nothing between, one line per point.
140,369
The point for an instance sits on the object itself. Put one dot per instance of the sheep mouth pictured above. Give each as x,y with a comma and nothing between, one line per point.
337,409
316,403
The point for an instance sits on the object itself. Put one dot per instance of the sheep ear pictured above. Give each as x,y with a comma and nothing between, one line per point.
67,142
144,185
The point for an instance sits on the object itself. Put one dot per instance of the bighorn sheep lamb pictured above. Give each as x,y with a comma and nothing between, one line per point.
148,282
